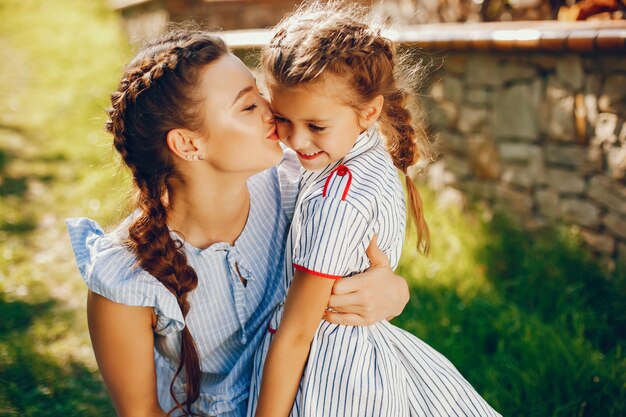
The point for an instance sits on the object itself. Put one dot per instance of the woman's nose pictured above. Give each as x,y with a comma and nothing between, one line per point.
267,115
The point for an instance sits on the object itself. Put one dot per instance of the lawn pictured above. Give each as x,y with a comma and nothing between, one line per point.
533,322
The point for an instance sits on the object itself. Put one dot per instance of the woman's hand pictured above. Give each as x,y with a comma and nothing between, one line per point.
371,296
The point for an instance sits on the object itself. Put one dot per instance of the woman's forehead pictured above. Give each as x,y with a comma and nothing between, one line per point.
224,79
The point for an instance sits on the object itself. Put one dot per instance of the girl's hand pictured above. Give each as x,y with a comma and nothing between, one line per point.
371,296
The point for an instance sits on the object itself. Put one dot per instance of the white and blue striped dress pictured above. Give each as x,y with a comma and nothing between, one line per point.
378,370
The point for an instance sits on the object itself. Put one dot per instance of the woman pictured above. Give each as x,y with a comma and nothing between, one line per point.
182,291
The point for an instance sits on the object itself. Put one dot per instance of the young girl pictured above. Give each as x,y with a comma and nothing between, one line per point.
333,85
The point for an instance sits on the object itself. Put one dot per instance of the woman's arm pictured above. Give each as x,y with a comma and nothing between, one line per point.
369,297
306,301
123,341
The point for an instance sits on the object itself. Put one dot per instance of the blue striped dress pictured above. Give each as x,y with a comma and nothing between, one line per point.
378,370
227,319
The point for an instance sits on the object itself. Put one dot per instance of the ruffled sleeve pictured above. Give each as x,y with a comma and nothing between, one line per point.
289,175
110,270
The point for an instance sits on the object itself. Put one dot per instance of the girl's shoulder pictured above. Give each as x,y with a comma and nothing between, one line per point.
365,181
110,270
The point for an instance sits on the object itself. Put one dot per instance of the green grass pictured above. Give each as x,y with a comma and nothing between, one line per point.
531,321
534,324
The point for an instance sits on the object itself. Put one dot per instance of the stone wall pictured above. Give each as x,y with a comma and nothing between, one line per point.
530,118
539,134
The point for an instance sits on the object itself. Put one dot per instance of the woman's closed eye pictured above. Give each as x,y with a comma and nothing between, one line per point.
250,107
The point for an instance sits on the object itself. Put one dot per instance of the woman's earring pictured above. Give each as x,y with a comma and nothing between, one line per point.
194,157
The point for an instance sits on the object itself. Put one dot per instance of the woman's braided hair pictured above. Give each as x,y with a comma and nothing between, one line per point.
156,95
336,38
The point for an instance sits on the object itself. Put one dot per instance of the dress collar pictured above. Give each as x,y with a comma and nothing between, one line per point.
366,141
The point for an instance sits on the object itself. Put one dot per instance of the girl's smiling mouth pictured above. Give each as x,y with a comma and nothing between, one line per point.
309,156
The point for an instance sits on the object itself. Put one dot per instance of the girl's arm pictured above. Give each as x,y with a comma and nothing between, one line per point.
306,301
371,296
123,341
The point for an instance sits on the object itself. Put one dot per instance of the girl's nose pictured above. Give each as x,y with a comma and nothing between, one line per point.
297,140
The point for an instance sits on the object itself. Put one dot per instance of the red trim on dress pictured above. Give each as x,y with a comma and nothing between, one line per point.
319,274
341,170
270,329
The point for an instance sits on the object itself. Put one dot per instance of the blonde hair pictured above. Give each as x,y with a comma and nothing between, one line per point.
337,38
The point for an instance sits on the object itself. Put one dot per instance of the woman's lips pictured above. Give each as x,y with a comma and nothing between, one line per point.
309,157
273,136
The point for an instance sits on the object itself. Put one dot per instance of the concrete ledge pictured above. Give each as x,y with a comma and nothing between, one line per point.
590,36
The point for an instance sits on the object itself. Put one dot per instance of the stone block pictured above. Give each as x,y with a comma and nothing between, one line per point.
455,63
453,142
517,152
516,110
622,134
593,89
569,70
452,89
483,69
577,157
606,127
473,120
615,225
444,114
605,62
548,203
519,202
517,175
485,190
477,95
460,167
616,161
598,242
436,90
516,72
608,193
613,98
544,61
580,212
537,166
567,182
558,111
484,158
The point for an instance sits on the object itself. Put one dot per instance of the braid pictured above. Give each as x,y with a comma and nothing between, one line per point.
396,124
337,38
156,95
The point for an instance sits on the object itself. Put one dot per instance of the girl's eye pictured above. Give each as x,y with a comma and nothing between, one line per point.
280,119
316,128
251,107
